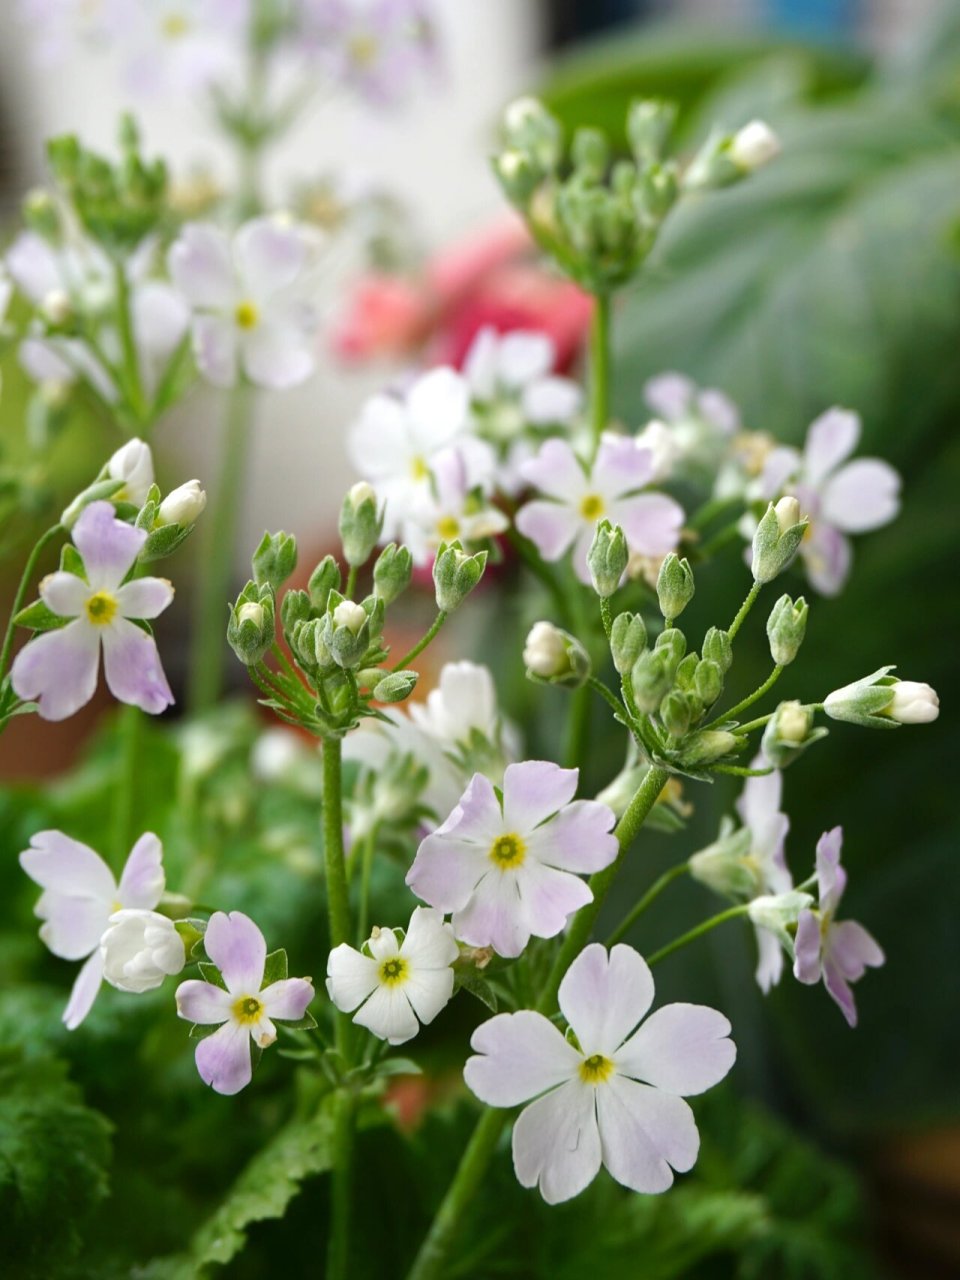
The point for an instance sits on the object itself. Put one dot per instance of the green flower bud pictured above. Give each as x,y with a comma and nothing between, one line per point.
275,559
788,733
40,214
708,681
93,493
652,678
718,648
673,644
866,702
555,656
727,158
360,524
396,686
455,574
590,153
678,711
345,632
518,176
686,671
302,637
324,579
674,586
528,127
710,745
785,629
649,125
251,629
392,572
607,558
725,866
777,538
295,607
628,639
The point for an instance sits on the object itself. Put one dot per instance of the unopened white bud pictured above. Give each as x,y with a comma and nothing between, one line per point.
133,464
140,949
184,505
754,146
913,703
56,307
545,651
788,513
250,612
350,615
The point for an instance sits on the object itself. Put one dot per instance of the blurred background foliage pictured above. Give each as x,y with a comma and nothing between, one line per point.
832,277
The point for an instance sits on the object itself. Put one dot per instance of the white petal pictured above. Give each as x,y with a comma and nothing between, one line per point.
201,266
72,926
681,1049
84,991
277,356
215,349
643,1132
351,977
520,1055
556,1143
55,861
270,255
142,880
144,597
603,998
551,400
429,943
863,495
831,438
524,356
388,1015
64,594
429,991
438,404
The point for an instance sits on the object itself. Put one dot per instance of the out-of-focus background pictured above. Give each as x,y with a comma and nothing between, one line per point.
833,277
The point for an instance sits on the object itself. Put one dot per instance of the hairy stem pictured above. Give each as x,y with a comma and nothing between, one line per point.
29,569
744,609
732,913
125,795
600,367
749,700
634,914
422,643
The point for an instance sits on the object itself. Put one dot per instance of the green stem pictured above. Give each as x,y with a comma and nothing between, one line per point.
729,533
126,794
422,643
351,582
131,364
658,886
29,569
744,609
710,510
732,913
338,902
600,367
366,870
531,558
606,694
220,532
749,700
338,1244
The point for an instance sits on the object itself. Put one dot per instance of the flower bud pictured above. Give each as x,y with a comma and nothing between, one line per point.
788,733
360,524
785,629
40,214
649,124
678,711
133,464
710,745
779,912
590,153
556,656
865,702
674,586
671,643
718,648
652,678
725,866
251,628
56,308
777,538
392,572
396,686
274,559
628,639
345,634
348,614
708,681
455,574
753,146
183,506
607,558
530,129
913,703
324,579
295,607
140,949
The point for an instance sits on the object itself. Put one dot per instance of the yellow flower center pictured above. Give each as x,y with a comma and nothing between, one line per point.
596,1069
247,1010
394,971
363,48
174,26
592,507
101,608
419,469
508,852
448,528
246,315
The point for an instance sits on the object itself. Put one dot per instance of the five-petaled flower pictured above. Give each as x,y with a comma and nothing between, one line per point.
576,497
400,984
614,1094
80,895
507,867
59,667
841,952
244,1011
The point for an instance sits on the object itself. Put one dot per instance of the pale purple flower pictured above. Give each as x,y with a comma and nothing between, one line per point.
513,385
252,298
508,869
577,496
448,510
177,48
243,1008
614,1096
59,667
80,895
396,984
839,952
837,499
379,48
692,429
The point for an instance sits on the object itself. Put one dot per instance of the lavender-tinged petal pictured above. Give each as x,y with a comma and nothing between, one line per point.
863,495
84,992
827,557
551,400
839,991
651,521
831,438
603,998
108,546
550,526
556,471
144,597
351,977
806,947
72,926
780,466
681,1048
520,1055
64,594
523,356
161,318
277,356
533,791
142,881
269,255
131,665
620,466
669,395
58,862
204,1003
548,897
34,266
579,838
201,266
556,1143
853,950
760,799
831,877
236,946
223,1059
215,349
58,670
287,1000
643,1133
493,917
446,871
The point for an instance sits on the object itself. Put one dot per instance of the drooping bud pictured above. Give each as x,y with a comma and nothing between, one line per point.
649,124
753,146
607,558
674,586
360,524
874,702
710,745
455,574
725,866
392,572
628,639
786,627
555,656
777,538
913,703
274,559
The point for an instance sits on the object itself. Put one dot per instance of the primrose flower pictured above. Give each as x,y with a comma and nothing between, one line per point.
512,385
577,497
692,428
448,510
836,499
139,949
59,667
841,952
507,870
80,895
179,47
378,48
252,300
242,1007
397,983
613,1095
133,464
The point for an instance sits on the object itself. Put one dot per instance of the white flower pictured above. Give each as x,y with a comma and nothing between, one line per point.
913,703
139,949
614,1096
545,650
753,146
448,510
399,984
183,505
133,464
692,428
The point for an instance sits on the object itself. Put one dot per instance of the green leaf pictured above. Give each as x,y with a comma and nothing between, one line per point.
210,973
478,986
275,967
71,561
200,1030
38,617
399,1067
306,1023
